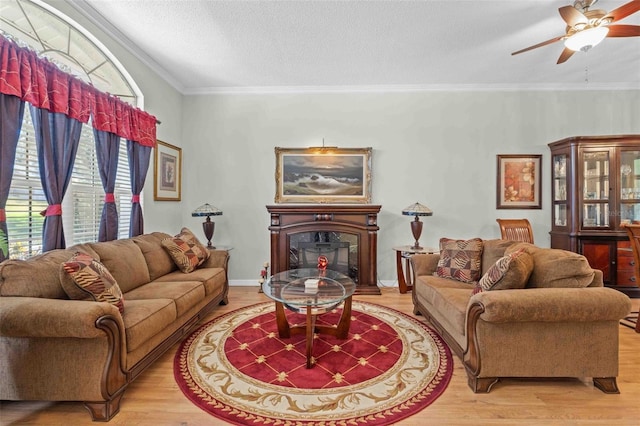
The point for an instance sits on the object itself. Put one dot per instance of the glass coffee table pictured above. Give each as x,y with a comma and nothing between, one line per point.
312,292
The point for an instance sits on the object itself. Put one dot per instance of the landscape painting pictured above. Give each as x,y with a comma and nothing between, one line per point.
323,175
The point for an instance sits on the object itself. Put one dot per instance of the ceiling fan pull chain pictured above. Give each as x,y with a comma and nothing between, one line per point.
586,67
586,74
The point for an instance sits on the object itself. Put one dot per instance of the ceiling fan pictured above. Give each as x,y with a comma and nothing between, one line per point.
586,27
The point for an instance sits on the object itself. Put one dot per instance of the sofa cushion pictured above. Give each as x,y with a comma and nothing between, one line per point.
186,251
84,278
38,276
508,272
145,318
460,259
158,260
555,268
125,261
492,250
213,279
451,303
185,294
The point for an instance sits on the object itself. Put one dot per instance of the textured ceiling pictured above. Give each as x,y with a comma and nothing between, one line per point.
248,46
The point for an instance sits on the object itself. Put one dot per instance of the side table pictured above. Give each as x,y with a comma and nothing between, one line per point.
403,254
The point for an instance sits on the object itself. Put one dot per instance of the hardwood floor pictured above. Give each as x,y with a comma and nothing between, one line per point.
154,398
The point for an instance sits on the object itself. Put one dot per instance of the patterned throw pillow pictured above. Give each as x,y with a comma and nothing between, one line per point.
509,272
460,259
186,251
90,280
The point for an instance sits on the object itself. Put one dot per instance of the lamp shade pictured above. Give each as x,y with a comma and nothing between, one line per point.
206,210
586,39
417,209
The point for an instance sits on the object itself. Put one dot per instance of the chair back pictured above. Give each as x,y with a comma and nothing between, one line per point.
516,230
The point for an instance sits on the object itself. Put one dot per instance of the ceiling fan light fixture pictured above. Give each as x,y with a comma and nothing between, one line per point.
586,39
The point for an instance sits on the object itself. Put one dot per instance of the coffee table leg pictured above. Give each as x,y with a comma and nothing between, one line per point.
311,326
342,330
284,331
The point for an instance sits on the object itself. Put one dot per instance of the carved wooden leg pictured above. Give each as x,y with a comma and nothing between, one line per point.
104,411
606,384
481,385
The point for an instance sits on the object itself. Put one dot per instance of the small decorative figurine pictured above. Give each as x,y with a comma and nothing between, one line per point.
322,262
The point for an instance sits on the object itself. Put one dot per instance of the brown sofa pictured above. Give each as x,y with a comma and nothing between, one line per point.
56,349
561,323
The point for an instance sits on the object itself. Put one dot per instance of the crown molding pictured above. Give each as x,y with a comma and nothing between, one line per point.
413,88
87,11
97,19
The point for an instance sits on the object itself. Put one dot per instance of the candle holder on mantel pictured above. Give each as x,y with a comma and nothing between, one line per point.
263,275
417,210
208,226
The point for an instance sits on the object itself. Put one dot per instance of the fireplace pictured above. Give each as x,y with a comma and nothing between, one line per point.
345,234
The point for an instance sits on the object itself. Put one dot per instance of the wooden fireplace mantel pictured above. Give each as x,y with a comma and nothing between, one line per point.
358,219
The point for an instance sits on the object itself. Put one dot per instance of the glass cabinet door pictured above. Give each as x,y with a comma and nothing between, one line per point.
560,190
629,186
595,189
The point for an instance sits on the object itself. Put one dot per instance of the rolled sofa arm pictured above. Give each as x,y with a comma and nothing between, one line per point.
424,264
217,259
39,317
551,304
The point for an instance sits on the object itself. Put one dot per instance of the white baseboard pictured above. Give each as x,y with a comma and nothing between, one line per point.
255,283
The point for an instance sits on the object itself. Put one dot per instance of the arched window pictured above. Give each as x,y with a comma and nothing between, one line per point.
54,35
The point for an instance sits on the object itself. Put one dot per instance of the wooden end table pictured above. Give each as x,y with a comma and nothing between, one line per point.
288,290
403,256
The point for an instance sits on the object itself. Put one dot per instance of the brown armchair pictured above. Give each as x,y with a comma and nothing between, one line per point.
516,230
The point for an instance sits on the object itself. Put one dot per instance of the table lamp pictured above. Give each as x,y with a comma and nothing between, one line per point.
417,210
207,210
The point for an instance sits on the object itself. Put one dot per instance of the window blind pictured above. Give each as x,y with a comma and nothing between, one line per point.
82,205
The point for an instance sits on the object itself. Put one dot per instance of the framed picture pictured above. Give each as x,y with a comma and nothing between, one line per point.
519,182
168,172
323,175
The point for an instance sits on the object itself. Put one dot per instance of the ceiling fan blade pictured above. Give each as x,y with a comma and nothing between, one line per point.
624,10
624,31
544,43
573,16
566,54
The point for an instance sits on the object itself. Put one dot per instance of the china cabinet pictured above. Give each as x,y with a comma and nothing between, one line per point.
595,192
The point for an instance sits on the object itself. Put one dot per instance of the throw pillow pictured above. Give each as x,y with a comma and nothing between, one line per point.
508,272
186,251
90,280
460,259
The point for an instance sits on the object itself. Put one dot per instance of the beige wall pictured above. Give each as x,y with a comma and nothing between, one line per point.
438,148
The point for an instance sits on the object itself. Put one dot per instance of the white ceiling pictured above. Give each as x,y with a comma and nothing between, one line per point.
255,46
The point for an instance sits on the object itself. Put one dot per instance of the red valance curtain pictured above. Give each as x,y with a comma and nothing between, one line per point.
42,84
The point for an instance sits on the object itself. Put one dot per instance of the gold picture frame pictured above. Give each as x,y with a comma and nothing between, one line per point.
323,175
519,182
167,182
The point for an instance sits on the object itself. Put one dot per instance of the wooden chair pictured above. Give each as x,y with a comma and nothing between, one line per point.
516,230
633,231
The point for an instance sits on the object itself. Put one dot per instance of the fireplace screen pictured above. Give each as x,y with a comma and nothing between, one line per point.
340,249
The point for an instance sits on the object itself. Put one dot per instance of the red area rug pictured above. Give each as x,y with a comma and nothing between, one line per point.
236,368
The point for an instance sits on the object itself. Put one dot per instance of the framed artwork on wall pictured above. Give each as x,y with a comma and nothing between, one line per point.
168,172
518,185
323,175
